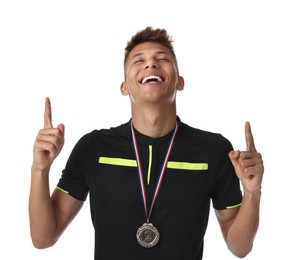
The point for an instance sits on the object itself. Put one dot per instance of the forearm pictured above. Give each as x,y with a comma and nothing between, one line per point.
41,210
241,234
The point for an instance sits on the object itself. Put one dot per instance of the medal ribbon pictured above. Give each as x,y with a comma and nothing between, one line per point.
148,214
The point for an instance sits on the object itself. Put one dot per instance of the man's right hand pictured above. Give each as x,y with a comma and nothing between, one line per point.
49,141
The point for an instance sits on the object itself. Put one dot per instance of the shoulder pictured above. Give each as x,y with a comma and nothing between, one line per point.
114,132
101,139
203,136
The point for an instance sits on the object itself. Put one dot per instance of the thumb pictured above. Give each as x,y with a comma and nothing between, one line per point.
234,156
62,128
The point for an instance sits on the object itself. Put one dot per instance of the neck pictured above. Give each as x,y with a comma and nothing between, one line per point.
154,123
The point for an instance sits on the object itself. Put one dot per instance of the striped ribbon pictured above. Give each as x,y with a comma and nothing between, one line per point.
148,214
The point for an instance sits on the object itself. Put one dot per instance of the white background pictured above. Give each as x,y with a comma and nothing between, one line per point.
241,60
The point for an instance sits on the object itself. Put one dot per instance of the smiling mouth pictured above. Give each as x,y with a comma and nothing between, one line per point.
151,78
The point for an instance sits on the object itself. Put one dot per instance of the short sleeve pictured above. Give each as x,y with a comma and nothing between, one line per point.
226,192
74,179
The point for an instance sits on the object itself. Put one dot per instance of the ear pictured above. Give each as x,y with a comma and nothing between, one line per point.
180,83
123,89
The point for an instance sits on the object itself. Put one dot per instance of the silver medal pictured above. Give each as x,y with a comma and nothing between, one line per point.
148,235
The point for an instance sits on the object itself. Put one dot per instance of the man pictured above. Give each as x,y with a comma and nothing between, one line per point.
152,178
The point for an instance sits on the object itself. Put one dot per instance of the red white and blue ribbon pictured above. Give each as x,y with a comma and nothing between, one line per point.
148,214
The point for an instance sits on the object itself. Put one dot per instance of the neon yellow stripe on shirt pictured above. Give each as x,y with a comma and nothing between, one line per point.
187,166
65,191
149,162
118,161
170,164
234,206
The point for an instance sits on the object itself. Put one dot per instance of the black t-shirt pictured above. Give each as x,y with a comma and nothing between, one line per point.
103,164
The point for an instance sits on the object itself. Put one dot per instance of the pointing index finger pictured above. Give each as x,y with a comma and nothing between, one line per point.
250,145
48,114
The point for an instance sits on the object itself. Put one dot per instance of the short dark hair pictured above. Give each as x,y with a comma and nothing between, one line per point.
150,35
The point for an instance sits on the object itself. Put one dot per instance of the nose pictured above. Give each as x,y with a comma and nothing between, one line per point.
151,63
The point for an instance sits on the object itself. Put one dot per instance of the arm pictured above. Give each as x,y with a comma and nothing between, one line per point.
49,215
239,225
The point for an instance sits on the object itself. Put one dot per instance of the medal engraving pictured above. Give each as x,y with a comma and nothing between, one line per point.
148,235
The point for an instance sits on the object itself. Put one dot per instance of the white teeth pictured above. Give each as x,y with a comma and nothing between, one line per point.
151,77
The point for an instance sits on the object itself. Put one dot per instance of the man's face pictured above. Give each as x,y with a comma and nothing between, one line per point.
151,74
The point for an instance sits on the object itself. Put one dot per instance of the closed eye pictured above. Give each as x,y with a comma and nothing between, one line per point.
163,59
